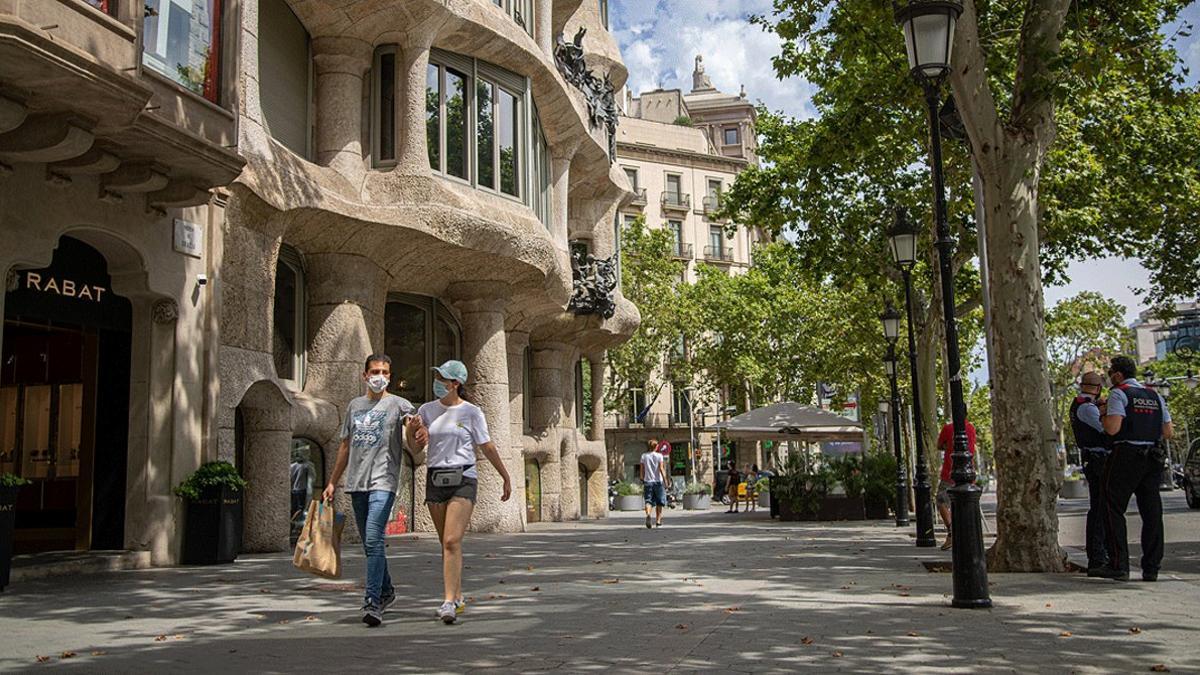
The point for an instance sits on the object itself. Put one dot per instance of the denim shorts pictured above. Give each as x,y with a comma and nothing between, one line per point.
441,495
655,494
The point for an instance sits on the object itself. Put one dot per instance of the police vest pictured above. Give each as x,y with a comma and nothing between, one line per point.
1143,415
1086,437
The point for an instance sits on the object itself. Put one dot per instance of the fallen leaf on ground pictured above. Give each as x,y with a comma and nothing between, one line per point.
161,638
490,555
491,596
913,633
67,655
845,588
310,617
612,581
733,609
264,590
502,581
43,659
1156,668
176,637
905,594
283,621
536,588
1065,633
1048,604
837,654
529,567
1135,630
681,626
806,640
99,652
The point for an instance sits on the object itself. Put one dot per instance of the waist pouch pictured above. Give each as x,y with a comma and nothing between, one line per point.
448,476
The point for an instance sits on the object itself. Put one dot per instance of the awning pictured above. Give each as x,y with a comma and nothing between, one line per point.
791,421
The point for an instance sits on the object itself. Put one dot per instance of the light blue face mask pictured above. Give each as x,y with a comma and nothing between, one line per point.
440,389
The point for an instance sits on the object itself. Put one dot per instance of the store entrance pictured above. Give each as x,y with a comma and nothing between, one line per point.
64,402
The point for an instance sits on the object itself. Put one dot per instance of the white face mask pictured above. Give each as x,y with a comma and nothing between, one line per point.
377,383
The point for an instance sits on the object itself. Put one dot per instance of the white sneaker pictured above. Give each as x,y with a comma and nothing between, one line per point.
447,612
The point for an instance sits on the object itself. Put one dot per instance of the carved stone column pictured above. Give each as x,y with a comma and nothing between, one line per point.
485,352
346,299
340,64
596,363
543,26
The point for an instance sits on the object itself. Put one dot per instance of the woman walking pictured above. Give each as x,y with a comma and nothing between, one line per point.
732,480
453,428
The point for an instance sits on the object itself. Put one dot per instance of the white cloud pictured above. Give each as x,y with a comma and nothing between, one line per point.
660,40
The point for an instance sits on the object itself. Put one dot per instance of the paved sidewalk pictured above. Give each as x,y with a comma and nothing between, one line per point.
708,592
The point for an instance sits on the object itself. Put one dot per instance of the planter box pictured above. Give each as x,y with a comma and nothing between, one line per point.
212,532
839,507
697,502
764,500
1074,489
630,503
8,518
876,510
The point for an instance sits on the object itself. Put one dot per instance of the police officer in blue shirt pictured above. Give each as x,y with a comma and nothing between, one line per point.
1137,420
1093,449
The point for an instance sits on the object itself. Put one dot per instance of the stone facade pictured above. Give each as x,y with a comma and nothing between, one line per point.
341,216
673,148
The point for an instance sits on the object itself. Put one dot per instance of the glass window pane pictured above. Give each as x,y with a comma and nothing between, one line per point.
509,137
283,334
674,188
404,340
456,123
387,107
433,116
446,341
731,136
181,43
632,175
486,138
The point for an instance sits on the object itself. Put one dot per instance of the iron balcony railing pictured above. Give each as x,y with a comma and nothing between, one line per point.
676,201
711,204
648,421
683,251
720,253
639,197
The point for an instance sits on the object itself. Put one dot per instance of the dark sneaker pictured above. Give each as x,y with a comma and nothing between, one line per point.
372,615
648,520
387,601
1110,573
1097,572
1149,575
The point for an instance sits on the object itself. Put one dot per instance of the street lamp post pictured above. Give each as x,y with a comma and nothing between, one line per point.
889,363
903,243
929,39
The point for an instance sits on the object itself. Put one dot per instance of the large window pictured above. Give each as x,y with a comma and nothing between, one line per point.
731,135
520,11
681,410
383,108
419,333
481,128
632,174
604,13
527,387
284,75
676,228
288,324
716,239
674,188
181,40
637,402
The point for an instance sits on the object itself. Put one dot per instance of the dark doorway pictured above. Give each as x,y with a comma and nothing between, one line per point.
584,475
64,402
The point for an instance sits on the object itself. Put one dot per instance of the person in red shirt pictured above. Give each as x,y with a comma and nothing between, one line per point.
945,443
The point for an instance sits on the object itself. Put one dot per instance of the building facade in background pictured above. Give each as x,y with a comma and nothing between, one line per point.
1155,338
214,209
680,152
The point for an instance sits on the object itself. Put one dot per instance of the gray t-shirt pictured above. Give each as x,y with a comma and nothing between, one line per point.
376,433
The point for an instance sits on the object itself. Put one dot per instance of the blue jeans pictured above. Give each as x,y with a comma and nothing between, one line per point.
371,511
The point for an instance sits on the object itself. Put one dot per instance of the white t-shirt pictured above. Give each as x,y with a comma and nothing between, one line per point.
454,433
652,467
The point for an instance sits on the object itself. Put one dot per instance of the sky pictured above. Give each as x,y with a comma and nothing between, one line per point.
660,39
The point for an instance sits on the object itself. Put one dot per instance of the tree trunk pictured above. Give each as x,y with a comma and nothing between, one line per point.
1022,411
928,338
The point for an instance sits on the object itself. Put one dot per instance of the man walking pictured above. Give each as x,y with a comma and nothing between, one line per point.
1137,419
1093,449
372,438
945,443
652,469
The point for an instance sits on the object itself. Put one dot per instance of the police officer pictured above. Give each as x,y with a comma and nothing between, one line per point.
1093,448
1137,420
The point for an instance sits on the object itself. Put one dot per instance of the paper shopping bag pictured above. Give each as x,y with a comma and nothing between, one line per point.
319,548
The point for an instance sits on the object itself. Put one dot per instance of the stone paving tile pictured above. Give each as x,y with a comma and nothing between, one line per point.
707,593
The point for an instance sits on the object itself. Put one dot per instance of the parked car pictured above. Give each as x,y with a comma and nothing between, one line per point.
1191,475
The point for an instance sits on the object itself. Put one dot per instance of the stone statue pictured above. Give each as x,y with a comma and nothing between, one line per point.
594,280
599,94
699,79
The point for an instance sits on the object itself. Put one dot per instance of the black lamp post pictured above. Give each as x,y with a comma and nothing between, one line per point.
891,329
929,39
903,242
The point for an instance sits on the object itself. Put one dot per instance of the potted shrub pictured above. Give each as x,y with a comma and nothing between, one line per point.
762,487
697,496
879,487
800,491
629,497
1074,487
846,503
10,485
212,531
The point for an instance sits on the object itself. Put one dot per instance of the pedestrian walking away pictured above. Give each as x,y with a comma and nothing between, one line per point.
732,480
1093,446
453,429
1138,421
751,493
945,443
369,455
652,469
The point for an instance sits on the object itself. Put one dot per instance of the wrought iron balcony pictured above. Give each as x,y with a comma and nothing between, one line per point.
682,251
718,253
676,201
647,421
711,204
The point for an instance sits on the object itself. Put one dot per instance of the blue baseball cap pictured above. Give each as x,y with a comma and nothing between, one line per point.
452,370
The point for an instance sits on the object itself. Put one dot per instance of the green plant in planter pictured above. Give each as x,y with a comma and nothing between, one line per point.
879,472
12,480
696,488
849,472
625,489
801,488
762,485
211,475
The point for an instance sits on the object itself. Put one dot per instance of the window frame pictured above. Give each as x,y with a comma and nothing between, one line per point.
292,257
434,311
634,180
376,104
604,14
667,176
224,87
737,133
